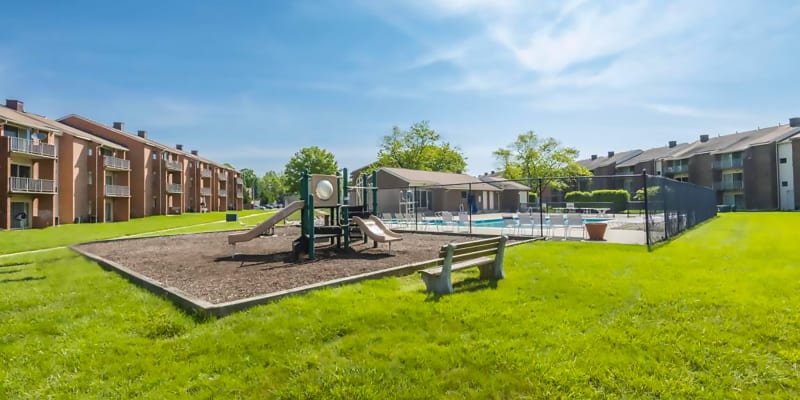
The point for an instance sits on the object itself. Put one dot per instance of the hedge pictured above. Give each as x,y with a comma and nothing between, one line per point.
618,198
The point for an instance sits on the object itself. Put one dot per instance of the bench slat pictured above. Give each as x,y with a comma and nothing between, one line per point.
470,249
474,262
475,242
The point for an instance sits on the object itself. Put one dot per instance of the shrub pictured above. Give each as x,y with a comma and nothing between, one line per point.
578,197
619,198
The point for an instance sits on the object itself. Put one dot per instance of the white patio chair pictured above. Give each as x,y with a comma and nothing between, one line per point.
557,221
447,221
508,223
538,222
575,221
463,221
525,221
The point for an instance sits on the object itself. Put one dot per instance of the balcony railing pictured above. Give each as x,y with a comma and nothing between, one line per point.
174,188
239,194
174,165
729,185
205,191
28,185
26,146
118,191
677,169
239,181
728,163
222,193
205,173
116,163
222,176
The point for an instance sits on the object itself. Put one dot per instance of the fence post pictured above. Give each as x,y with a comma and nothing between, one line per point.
646,210
667,223
541,213
416,208
469,206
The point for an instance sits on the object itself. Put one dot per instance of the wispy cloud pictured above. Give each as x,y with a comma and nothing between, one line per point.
687,111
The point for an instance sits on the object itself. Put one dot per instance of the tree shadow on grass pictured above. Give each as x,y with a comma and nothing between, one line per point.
465,286
25,279
11,271
16,264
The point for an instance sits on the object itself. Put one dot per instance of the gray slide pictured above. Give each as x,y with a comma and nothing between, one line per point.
266,225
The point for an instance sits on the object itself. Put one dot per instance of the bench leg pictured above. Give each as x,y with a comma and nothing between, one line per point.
438,284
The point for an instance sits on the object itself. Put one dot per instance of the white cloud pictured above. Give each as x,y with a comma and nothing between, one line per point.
687,111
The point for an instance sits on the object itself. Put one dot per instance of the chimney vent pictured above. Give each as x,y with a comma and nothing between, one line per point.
194,152
120,126
142,134
179,147
492,172
594,156
672,144
794,122
15,105
610,154
703,138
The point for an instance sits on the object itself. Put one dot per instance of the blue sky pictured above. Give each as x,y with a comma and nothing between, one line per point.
251,82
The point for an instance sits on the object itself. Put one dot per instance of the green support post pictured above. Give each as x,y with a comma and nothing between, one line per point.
310,218
364,191
375,199
375,193
344,196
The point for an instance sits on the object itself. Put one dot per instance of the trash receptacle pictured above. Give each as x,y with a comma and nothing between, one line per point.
230,217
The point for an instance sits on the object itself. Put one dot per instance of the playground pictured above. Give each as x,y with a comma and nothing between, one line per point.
201,266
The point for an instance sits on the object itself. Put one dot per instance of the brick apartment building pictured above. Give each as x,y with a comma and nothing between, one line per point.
753,170
78,170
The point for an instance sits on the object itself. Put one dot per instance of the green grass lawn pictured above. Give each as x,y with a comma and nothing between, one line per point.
63,235
714,314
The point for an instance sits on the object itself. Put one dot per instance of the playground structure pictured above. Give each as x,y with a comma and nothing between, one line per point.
330,194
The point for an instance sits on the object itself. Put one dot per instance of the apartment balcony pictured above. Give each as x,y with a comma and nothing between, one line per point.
729,185
28,185
728,164
222,193
678,169
205,173
32,148
111,162
173,165
222,176
118,191
174,188
239,194
239,181
205,191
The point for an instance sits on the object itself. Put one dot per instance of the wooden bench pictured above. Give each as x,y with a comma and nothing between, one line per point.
486,254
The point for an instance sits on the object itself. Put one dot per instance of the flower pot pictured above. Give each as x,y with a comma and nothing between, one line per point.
596,230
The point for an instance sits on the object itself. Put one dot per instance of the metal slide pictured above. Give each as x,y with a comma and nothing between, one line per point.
266,225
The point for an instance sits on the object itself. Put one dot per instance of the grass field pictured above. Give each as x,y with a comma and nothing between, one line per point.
64,235
714,314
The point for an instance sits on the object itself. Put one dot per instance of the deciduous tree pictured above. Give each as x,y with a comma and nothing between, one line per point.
313,159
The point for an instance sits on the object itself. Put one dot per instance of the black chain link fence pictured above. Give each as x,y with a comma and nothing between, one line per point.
559,208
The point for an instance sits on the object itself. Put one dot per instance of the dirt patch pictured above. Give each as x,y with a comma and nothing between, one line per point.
201,264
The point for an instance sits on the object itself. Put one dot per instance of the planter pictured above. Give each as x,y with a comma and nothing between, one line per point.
596,230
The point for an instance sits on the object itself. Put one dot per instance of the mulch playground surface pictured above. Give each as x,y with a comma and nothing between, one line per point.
201,264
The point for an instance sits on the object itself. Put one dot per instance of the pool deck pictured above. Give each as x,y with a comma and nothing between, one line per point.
612,235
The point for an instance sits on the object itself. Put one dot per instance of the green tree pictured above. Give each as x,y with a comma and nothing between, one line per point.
420,148
271,187
250,180
312,159
532,157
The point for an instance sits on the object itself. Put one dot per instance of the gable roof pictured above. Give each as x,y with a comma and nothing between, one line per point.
591,164
79,133
434,178
618,158
24,119
656,153
502,183
739,141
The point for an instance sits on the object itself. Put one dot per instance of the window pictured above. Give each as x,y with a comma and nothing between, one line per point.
90,177
155,156
784,184
463,195
783,160
20,171
90,152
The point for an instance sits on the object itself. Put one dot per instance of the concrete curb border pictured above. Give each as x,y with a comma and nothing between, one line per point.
193,304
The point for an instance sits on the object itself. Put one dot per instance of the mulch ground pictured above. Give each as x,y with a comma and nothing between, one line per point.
201,264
